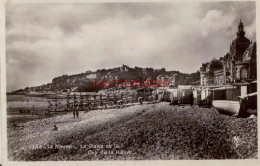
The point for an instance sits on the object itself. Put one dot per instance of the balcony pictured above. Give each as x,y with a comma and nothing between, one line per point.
241,62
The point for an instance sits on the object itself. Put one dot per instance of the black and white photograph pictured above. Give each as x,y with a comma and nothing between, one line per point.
130,81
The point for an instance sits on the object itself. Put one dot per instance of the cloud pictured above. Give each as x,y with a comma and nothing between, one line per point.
251,30
217,21
45,41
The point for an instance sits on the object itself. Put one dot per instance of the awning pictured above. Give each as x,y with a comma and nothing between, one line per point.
248,95
224,88
211,86
242,84
172,90
163,88
184,86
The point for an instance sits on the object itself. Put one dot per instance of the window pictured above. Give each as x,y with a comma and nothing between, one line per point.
243,90
243,73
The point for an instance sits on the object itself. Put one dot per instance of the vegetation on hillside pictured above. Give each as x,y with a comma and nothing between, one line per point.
84,81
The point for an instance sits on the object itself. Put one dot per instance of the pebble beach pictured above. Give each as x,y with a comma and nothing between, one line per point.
140,132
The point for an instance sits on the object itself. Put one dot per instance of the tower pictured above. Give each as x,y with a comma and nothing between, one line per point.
240,32
240,44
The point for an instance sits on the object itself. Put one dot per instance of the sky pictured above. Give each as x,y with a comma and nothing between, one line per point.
44,41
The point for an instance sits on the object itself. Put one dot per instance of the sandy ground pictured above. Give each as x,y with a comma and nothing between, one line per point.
149,131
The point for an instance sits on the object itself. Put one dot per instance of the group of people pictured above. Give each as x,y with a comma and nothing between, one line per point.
24,111
30,111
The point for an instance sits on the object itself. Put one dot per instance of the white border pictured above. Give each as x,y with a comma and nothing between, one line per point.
5,162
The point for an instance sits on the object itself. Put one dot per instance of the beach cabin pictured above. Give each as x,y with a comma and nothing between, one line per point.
145,93
228,99
163,94
205,95
184,94
180,95
225,99
174,96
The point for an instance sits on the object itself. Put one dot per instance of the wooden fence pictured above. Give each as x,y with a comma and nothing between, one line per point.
91,101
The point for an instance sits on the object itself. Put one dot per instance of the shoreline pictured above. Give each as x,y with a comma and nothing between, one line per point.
150,131
19,119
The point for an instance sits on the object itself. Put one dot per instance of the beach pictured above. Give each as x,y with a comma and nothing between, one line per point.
148,131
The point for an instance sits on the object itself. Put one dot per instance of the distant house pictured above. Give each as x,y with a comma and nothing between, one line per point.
124,68
91,76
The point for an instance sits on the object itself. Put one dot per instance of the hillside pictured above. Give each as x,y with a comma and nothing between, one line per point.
83,82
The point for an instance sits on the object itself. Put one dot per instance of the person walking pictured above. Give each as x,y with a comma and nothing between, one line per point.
77,113
32,112
141,100
156,98
191,99
119,103
74,114
55,128
195,95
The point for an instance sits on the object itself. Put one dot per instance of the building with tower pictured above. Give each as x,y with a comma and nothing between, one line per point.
238,65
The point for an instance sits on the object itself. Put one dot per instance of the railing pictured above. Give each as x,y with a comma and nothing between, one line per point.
100,101
242,61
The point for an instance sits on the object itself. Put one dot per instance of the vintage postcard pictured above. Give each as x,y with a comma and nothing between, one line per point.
115,82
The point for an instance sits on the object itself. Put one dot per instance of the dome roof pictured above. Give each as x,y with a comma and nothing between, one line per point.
216,64
242,39
241,34
214,60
